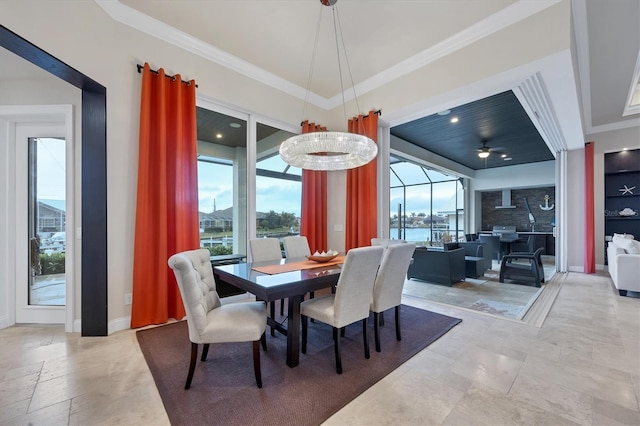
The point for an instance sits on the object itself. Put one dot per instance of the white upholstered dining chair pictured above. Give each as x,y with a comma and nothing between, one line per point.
351,301
385,242
296,246
267,250
387,291
208,320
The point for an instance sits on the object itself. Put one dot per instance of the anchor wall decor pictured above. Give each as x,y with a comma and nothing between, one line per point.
546,204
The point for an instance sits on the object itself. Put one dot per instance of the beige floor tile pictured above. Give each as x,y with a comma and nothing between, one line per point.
559,400
17,389
484,406
56,414
607,413
488,368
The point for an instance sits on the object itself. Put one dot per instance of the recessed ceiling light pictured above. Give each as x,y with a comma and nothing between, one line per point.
219,135
504,156
508,159
445,112
454,119
235,125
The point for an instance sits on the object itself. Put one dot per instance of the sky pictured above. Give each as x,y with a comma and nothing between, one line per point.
51,169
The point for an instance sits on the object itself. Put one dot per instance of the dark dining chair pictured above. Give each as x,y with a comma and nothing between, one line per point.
492,244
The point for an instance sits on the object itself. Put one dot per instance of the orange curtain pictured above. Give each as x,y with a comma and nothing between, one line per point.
313,217
589,220
362,215
167,219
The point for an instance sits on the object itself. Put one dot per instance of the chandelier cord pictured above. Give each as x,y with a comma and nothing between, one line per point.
313,61
336,18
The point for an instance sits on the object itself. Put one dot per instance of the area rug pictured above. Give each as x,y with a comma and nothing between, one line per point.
497,308
223,390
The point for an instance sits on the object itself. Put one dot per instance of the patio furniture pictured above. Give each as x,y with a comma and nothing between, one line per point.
437,266
522,266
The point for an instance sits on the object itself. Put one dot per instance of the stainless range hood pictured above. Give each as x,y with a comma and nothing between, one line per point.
506,200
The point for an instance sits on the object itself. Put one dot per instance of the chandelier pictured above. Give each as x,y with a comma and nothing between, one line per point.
329,150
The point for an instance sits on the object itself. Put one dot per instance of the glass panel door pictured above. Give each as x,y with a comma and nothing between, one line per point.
46,225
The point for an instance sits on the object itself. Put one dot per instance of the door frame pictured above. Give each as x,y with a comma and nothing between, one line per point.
93,180
11,118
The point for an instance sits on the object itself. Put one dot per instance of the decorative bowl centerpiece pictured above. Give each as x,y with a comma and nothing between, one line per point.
323,257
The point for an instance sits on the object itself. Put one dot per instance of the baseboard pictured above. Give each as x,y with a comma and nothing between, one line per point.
119,324
4,322
77,326
600,267
576,269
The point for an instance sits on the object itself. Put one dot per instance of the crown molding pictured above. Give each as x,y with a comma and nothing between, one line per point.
155,28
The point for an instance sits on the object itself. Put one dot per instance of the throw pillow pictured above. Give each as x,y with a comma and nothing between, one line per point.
629,246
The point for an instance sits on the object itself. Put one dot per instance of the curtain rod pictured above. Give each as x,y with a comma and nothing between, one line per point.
172,77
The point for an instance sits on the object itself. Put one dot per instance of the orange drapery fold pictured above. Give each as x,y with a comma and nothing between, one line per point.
167,219
362,217
313,217
589,220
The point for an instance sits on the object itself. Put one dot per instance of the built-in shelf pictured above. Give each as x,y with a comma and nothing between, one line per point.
622,171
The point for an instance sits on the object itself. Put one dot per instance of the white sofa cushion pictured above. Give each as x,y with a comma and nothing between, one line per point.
628,245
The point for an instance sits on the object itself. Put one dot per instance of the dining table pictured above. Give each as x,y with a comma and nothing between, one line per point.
288,278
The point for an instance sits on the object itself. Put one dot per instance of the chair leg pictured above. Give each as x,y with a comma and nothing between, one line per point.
304,334
376,330
256,362
281,307
192,364
382,319
337,351
364,338
342,331
272,312
205,351
398,336
263,341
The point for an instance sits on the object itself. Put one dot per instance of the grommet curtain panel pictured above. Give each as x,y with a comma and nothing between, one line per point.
167,219
589,206
313,217
362,217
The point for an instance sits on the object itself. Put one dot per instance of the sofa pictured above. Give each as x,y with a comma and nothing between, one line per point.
437,266
623,255
477,258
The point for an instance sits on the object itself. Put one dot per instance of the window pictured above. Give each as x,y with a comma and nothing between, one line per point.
426,205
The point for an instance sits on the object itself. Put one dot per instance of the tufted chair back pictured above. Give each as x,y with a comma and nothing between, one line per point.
197,287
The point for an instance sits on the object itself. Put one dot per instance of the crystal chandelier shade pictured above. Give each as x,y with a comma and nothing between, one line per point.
328,150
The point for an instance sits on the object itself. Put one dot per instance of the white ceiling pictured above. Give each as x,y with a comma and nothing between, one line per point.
383,39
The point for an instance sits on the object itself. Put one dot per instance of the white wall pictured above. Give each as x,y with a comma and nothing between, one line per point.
575,210
87,39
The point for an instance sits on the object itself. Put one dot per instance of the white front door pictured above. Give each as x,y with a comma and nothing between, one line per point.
40,211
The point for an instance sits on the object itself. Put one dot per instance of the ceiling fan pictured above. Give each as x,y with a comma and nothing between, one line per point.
484,150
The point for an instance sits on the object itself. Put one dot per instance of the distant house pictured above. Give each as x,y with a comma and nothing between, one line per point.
222,219
51,216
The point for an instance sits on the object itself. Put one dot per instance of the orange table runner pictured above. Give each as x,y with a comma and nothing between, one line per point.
296,266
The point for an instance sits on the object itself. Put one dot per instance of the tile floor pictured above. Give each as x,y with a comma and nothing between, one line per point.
581,367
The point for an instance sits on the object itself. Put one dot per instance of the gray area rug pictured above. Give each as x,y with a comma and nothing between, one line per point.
223,390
